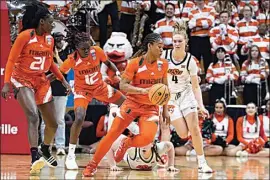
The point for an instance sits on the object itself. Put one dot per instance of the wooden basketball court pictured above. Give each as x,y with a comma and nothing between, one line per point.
17,167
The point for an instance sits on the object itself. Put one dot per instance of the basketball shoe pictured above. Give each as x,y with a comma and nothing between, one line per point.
120,152
46,156
37,166
71,162
90,169
204,168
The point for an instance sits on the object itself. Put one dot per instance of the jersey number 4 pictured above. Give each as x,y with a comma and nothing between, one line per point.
38,64
175,79
90,78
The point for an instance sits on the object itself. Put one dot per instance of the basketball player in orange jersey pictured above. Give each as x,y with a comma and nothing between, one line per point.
186,95
142,72
30,57
88,85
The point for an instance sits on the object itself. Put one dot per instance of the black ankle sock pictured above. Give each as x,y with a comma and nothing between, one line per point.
34,153
45,149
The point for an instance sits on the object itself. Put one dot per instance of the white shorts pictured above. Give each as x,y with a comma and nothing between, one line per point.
182,104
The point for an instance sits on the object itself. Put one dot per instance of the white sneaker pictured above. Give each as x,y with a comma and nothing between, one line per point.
204,168
60,151
71,162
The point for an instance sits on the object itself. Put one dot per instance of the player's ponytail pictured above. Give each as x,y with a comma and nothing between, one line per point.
33,13
180,28
149,38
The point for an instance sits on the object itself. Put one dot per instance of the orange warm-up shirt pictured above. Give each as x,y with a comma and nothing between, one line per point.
230,134
31,55
251,120
144,75
87,75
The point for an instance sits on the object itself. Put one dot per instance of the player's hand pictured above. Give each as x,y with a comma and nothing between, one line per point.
166,116
67,86
172,169
116,168
5,91
144,90
55,53
203,112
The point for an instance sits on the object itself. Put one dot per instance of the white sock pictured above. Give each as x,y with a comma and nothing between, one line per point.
71,149
201,159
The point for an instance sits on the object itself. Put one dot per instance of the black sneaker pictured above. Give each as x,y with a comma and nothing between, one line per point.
48,158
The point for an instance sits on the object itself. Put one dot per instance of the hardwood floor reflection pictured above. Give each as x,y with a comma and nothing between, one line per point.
17,167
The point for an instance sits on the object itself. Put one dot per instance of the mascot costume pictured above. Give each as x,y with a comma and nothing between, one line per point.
119,50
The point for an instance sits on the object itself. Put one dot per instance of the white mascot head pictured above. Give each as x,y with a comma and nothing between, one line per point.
118,48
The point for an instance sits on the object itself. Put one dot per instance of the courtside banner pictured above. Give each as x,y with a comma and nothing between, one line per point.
13,127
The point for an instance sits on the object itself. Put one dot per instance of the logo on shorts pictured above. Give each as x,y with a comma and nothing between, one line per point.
171,108
93,54
192,107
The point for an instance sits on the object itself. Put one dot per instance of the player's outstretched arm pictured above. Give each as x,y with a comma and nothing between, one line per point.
128,88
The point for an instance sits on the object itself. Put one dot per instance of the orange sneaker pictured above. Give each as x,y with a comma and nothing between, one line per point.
90,169
120,152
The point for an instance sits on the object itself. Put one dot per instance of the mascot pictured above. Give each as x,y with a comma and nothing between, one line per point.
119,50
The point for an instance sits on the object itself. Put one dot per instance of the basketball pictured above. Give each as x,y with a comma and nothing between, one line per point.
159,94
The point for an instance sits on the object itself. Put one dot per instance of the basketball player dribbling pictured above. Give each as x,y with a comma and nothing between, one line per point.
30,57
144,70
88,84
185,93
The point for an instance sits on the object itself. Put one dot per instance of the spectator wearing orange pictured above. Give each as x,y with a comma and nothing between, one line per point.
224,127
224,35
201,20
263,15
250,134
226,5
219,73
261,40
247,28
254,71
252,3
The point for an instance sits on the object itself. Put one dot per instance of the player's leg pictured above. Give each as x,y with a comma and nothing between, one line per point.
26,99
80,107
182,150
191,117
47,108
120,123
148,126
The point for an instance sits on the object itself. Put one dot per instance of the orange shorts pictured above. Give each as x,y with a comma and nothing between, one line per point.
103,93
131,110
39,84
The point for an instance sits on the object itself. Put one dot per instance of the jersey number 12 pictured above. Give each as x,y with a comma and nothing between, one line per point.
175,79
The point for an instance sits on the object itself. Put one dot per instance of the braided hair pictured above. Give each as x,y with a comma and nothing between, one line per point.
33,13
149,38
75,38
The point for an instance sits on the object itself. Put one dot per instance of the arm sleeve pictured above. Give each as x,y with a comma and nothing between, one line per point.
15,52
54,69
262,133
239,131
230,131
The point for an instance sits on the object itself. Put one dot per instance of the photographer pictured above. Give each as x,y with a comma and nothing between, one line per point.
220,73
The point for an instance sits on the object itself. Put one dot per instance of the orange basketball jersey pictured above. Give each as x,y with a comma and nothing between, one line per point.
87,76
145,75
31,54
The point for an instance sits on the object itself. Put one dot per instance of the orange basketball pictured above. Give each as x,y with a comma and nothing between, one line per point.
159,94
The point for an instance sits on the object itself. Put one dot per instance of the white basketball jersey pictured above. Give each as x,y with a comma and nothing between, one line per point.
136,161
179,72
251,131
266,125
221,127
